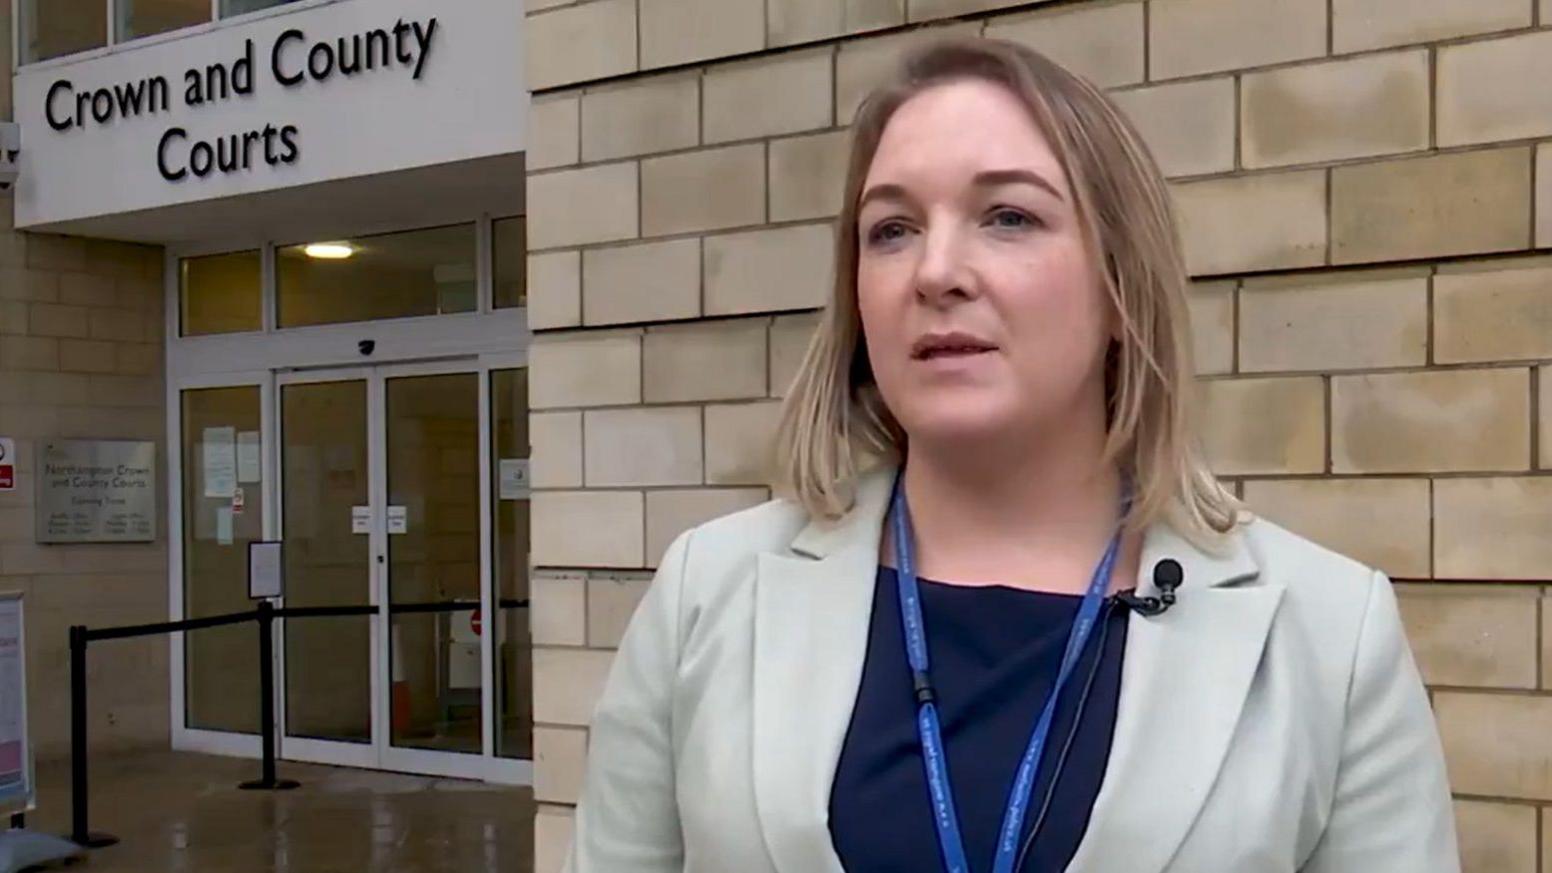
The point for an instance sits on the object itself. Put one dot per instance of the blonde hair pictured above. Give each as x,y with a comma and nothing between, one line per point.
835,424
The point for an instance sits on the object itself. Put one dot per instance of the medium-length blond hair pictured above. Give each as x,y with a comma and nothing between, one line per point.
834,422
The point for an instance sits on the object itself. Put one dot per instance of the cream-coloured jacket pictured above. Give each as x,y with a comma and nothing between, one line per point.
1272,721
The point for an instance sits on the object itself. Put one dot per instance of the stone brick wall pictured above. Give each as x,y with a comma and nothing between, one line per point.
1363,186
81,357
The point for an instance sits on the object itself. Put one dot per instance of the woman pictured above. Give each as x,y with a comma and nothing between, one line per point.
933,654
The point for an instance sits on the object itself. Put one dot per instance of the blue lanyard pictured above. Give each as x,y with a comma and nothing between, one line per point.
927,725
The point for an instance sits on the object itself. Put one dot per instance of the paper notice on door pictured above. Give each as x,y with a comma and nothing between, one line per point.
361,519
224,525
514,478
249,466
398,520
220,461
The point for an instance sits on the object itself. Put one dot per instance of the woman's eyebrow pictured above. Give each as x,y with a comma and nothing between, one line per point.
993,178
886,191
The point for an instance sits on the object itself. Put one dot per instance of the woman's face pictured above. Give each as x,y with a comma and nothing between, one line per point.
979,302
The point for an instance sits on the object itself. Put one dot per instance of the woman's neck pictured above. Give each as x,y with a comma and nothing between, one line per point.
1037,518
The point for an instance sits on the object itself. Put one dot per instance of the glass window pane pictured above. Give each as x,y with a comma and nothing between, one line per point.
145,17
514,647
434,561
510,252
323,467
240,7
51,28
392,275
222,513
221,293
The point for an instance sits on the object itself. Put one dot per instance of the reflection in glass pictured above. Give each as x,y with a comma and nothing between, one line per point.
434,480
509,251
221,293
509,511
51,28
323,457
392,275
145,17
221,679
240,7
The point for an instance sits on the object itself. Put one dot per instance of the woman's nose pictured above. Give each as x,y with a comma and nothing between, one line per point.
942,272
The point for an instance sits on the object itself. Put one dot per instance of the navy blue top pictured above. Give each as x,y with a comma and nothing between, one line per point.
995,652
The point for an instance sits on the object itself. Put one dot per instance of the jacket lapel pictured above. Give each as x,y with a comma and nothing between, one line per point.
812,611
1184,681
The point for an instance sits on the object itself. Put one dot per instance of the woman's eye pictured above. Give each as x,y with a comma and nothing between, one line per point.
1012,219
886,232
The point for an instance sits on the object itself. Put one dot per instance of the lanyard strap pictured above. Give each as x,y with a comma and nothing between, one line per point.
945,817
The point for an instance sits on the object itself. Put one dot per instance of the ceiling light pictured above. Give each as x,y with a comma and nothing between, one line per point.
328,251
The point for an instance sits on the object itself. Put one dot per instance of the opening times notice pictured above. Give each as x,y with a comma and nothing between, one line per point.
97,491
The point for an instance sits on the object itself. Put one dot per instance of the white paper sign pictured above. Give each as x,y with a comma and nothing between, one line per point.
398,520
224,525
15,757
264,563
514,478
361,519
220,461
249,466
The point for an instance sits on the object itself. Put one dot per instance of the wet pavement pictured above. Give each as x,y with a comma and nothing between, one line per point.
176,812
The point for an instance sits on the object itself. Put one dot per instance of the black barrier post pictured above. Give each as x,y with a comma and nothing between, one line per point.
267,780
80,834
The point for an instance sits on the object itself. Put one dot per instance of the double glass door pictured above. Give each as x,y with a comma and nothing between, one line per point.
385,475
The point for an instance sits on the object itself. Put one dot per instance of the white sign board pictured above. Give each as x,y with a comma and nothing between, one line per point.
16,787
514,479
96,491
332,91
264,569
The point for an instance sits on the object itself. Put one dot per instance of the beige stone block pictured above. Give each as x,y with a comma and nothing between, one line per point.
554,290
672,512
657,114
1342,321
1272,221
1496,837
56,319
567,685
560,759
1440,421
1350,108
1340,514
1102,42
1265,425
1544,403
658,281
47,251
1493,315
1212,326
13,317
587,528
1357,25
611,601
683,31
555,439
793,92
1472,635
31,353
558,603
1495,89
1187,37
1543,204
552,838
808,176
28,285
582,42
1492,528
657,445
124,325
1450,204
563,206
1495,744
585,369
554,131
1188,126
770,270
704,190
790,338
1546,818
1546,638
862,65
91,289
795,21
740,441
723,360
925,10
